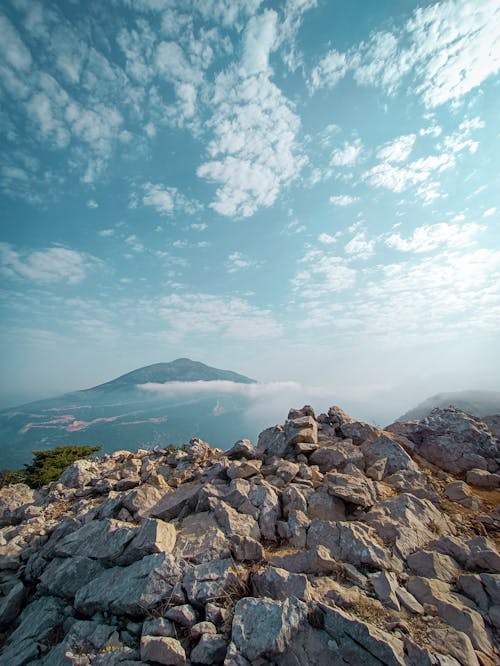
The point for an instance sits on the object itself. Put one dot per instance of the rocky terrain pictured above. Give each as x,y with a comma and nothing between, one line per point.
329,542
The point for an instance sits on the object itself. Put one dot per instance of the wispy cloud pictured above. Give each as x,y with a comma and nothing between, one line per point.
430,236
443,52
55,264
253,391
343,200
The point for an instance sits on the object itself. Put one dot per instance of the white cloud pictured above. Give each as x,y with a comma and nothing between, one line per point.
444,50
329,71
199,227
55,264
258,41
397,150
343,200
163,199
348,155
238,261
220,386
106,233
92,203
328,239
254,152
431,236
208,314
134,243
359,246
491,211
12,48
433,130
399,179
322,273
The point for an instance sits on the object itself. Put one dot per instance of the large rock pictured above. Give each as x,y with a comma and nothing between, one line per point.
350,542
63,577
11,603
278,584
265,499
13,500
99,539
336,456
36,625
142,500
406,522
162,650
430,564
211,649
183,498
452,609
301,429
233,522
352,487
154,536
263,628
321,504
132,590
360,642
80,474
200,539
214,580
271,442
359,432
453,440
383,447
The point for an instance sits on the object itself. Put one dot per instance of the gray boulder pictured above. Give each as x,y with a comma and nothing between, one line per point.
263,628
383,447
278,584
63,577
132,590
213,580
181,499
162,650
452,439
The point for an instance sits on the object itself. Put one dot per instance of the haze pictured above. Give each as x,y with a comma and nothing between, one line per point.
300,192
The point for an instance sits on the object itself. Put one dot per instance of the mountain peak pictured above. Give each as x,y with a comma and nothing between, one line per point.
180,370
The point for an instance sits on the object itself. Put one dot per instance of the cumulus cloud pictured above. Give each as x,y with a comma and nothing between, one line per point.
254,151
443,51
55,264
430,236
323,272
397,150
237,261
359,246
348,155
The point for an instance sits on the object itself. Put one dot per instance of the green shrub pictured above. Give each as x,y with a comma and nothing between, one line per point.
47,466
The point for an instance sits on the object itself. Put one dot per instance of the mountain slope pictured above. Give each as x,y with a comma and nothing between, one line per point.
477,403
119,414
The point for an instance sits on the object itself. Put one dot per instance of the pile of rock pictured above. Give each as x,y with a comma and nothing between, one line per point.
329,542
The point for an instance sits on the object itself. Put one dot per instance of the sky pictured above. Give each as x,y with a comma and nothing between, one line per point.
303,191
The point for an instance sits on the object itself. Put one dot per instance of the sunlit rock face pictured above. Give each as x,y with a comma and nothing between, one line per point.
328,542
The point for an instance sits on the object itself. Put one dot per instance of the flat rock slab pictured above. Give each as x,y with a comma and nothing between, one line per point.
131,590
170,506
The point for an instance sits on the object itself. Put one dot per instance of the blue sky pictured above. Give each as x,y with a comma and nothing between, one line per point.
301,190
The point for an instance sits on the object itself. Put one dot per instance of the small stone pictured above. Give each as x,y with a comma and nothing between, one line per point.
211,649
200,628
184,615
162,650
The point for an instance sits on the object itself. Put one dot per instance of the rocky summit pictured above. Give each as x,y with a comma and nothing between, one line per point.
328,542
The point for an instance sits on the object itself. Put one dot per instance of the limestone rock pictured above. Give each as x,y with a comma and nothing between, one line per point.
131,590
353,488
301,429
12,603
212,580
359,432
385,585
184,615
154,536
171,505
99,539
384,447
279,584
451,610
262,628
430,564
336,456
211,649
141,501
483,479
199,539
80,473
63,577
243,449
321,504
162,650
406,522
452,440
352,542
272,442
245,548
13,499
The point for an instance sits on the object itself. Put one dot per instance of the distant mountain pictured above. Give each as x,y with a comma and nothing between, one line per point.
119,414
478,403
180,370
